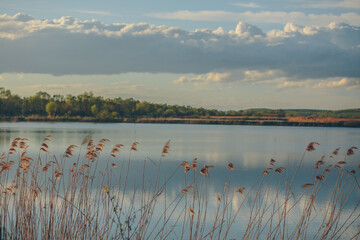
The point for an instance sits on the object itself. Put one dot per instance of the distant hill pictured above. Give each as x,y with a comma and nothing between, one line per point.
345,113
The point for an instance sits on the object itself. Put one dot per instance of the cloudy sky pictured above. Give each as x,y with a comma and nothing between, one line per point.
215,54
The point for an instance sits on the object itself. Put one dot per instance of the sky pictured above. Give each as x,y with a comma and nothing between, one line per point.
287,54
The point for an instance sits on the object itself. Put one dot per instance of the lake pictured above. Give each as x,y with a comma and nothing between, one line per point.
249,148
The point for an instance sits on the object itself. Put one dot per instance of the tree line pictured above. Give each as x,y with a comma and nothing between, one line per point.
103,109
88,105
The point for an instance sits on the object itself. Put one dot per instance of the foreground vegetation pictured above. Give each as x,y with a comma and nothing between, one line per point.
72,197
87,107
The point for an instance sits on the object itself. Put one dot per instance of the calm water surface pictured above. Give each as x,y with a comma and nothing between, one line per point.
249,148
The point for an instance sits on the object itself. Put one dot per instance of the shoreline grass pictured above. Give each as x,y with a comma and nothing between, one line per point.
219,120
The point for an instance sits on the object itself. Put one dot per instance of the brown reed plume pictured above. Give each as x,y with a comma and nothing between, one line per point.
350,151
311,146
134,146
272,162
165,149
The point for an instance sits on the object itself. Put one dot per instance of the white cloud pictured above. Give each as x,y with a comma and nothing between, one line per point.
209,77
273,76
70,46
245,30
247,5
293,84
341,83
20,17
253,76
279,17
346,83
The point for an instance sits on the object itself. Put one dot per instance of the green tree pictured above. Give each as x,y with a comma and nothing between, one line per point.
51,108
169,113
104,115
94,109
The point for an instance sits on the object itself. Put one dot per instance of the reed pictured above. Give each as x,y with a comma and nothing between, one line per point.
72,197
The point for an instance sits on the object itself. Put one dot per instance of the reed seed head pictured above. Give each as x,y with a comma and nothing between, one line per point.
350,151
272,162
311,146
280,170
240,190
320,177
44,145
84,166
185,191
191,211
335,152
115,150
307,185
166,149
230,166
185,164
204,171
58,176
47,138
134,146
194,166
208,167
319,163
43,149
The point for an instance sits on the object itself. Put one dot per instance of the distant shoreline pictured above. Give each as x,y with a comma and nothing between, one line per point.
218,120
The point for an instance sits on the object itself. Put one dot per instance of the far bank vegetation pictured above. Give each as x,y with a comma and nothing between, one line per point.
87,107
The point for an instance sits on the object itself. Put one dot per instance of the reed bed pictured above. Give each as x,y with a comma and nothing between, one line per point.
72,197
